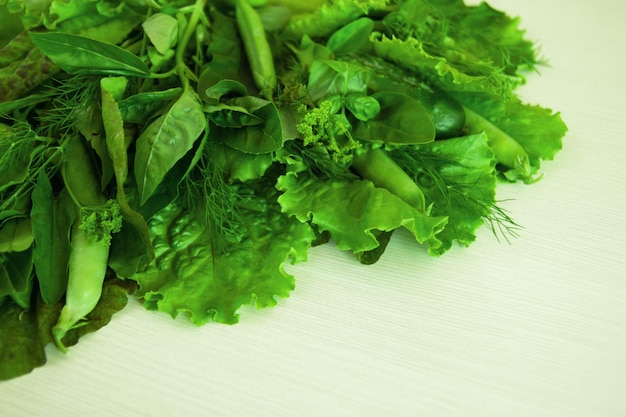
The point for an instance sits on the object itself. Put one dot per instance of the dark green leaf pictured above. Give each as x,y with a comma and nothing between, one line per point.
52,218
20,347
15,271
258,139
227,115
166,140
401,120
81,55
225,89
328,78
140,108
351,37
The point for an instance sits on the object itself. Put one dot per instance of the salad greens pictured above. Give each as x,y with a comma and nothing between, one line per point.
183,151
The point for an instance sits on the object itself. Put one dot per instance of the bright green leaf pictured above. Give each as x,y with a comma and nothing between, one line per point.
166,140
162,30
81,55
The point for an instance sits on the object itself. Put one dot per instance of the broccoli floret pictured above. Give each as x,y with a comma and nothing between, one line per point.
100,222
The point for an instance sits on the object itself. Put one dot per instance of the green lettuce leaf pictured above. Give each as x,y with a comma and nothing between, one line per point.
457,47
458,179
537,129
329,17
193,275
353,211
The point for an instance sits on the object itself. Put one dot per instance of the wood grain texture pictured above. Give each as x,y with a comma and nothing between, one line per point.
532,329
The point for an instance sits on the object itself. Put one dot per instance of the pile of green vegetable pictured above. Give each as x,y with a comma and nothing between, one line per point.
184,151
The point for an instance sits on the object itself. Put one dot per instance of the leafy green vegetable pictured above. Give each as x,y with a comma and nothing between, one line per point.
80,55
166,140
183,151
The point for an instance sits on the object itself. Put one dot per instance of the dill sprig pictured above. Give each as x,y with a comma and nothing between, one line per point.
447,192
318,163
68,97
217,203
500,223
23,150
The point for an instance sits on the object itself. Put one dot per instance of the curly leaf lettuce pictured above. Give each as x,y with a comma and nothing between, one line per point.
329,17
457,47
353,211
538,130
193,275
458,178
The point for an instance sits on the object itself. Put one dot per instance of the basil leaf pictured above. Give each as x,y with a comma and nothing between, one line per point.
166,140
80,55
139,108
162,30
362,107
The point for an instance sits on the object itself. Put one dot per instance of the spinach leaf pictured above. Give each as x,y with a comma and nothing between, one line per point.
258,130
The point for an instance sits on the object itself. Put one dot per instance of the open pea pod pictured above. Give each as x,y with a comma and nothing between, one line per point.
402,120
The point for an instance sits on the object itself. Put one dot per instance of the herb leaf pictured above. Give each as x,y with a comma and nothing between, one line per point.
80,55
166,140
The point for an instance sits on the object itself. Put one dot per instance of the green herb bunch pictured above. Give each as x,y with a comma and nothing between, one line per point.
183,151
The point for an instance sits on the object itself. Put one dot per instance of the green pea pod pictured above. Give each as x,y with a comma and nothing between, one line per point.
257,48
86,273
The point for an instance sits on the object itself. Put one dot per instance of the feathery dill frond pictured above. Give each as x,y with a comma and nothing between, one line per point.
217,203
67,99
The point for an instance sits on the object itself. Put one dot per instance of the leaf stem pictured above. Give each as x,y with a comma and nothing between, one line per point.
181,67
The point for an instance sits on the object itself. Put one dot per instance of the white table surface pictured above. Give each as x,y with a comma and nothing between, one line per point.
532,329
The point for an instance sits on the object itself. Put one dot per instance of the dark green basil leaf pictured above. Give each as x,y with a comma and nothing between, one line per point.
139,108
166,140
80,55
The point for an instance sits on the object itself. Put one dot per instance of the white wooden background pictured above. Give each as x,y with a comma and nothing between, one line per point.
532,329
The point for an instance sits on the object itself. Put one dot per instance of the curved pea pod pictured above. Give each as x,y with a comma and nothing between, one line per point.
79,174
257,48
87,270
507,151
